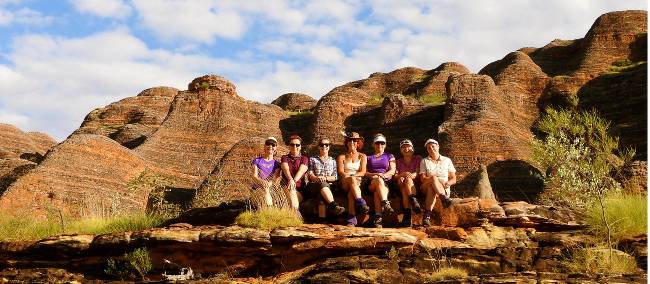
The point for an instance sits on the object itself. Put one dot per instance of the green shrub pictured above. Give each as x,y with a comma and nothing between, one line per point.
447,273
626,213
376,99
434,99
623,66
303,113
597,260
578,156
269,218
135,264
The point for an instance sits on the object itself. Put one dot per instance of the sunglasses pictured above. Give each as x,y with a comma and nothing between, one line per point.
270,144
380,143
324,144
295,145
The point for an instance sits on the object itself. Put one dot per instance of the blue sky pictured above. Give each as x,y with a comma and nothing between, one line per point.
59,60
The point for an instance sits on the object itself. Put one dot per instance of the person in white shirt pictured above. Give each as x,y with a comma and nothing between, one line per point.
437,174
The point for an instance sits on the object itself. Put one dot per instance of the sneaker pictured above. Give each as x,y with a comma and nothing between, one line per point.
446,202
415,205
335,209
351,221
385,208
406,220
362,207
377,222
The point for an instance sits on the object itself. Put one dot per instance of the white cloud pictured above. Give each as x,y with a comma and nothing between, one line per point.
103,8
195,21
22,16
54,82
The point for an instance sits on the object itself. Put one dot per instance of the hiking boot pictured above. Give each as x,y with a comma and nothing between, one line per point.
385,207
406,220
335,209
446,202
415,205
351,221
362,207
426,219
377,222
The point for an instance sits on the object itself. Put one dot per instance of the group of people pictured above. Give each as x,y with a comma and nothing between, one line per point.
355,173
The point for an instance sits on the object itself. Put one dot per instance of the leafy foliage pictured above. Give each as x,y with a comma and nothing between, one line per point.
579,157
135,264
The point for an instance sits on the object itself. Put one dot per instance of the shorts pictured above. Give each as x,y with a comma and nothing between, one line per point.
312,190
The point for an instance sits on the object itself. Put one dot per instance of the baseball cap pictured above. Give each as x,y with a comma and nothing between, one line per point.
431,141
379,138
406,142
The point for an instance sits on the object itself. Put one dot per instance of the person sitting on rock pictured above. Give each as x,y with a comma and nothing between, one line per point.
294,167
322,175
351,167
266,169
381,168
437,174
407,179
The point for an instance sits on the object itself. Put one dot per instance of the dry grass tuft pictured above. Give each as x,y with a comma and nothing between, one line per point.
269,218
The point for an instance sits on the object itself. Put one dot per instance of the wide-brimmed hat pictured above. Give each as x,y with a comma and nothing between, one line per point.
352,135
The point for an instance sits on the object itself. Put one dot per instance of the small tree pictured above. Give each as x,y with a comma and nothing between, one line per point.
580,159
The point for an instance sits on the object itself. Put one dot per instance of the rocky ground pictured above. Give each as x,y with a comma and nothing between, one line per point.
513,242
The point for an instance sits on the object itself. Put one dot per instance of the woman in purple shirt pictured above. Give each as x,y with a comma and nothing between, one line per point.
380,169
265,173
407,178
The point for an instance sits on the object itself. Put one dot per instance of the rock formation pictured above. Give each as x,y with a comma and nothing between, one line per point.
20,152
296,102
193,136
525,249
132,120
202,125
86,175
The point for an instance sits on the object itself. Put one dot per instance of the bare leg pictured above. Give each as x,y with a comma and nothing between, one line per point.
431,195
404,187
327,194
376,194
267,197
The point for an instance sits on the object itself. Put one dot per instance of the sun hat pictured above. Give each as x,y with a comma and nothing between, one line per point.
352,135
431,141
379,138
271,139
406,142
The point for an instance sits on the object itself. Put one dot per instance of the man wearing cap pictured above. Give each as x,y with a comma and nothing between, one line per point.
437,174
294,166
